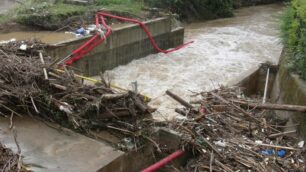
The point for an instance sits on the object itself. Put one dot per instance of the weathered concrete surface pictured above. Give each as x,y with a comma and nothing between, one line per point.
47,149
290,89
253,81
124,45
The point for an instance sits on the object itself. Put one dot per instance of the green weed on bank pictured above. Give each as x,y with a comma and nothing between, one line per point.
294,35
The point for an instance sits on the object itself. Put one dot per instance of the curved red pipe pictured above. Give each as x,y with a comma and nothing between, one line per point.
91,44
160,164
98,39
146,30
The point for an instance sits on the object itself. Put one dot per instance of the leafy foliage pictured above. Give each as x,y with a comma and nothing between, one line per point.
294,35
200,9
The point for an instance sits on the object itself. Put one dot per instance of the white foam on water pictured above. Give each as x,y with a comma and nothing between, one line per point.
223,50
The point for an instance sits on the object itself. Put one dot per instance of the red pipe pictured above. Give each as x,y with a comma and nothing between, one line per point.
97,39
91,44
146,30
160,164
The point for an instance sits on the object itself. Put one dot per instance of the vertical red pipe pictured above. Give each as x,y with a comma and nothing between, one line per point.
160,164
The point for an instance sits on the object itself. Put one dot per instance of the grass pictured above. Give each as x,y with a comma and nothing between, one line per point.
50,14
133,7
294,36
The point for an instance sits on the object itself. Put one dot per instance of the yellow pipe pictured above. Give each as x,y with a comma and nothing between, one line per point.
97,81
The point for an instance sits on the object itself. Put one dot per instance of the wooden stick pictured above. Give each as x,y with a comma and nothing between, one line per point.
240,109
179,99
273,146
235,106
269,106
181,112
226,168
266,87
211,161
112,96
282,133
43,62
63,88
212,147
208,168
34,105
9,109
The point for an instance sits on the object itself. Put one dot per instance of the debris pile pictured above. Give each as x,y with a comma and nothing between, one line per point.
10,161
224,135
30,86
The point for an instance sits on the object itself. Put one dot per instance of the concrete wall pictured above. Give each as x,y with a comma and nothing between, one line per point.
284,88
124,45
290,89
253,81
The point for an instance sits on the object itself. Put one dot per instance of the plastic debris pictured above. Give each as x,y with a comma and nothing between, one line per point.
220,143
81,31
23,47
259,142
126,144
267,152
8,41
281,153
301,144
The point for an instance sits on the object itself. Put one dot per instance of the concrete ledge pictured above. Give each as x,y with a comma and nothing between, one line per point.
253,80
127,43
47,149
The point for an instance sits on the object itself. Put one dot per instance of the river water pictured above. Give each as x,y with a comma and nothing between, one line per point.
224,49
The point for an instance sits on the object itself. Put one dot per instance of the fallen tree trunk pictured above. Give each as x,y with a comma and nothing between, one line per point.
269,106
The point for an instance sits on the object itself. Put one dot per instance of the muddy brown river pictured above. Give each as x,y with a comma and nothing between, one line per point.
224,50
44,36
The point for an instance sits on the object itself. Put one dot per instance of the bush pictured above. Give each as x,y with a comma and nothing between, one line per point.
294,35
107,2
199,9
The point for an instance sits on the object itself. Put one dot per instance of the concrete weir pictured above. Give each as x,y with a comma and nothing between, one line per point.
127,43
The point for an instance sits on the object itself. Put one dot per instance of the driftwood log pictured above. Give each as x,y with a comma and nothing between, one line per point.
269,106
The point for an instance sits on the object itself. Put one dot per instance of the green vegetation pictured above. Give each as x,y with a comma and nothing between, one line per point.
54,14
294,35
133,7
198,9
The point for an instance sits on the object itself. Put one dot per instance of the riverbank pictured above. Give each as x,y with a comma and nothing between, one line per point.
50,15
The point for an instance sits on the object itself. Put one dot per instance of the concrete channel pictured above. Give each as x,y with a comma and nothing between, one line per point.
48,149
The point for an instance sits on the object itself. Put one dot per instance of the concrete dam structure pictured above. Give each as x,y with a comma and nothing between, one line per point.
127,43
